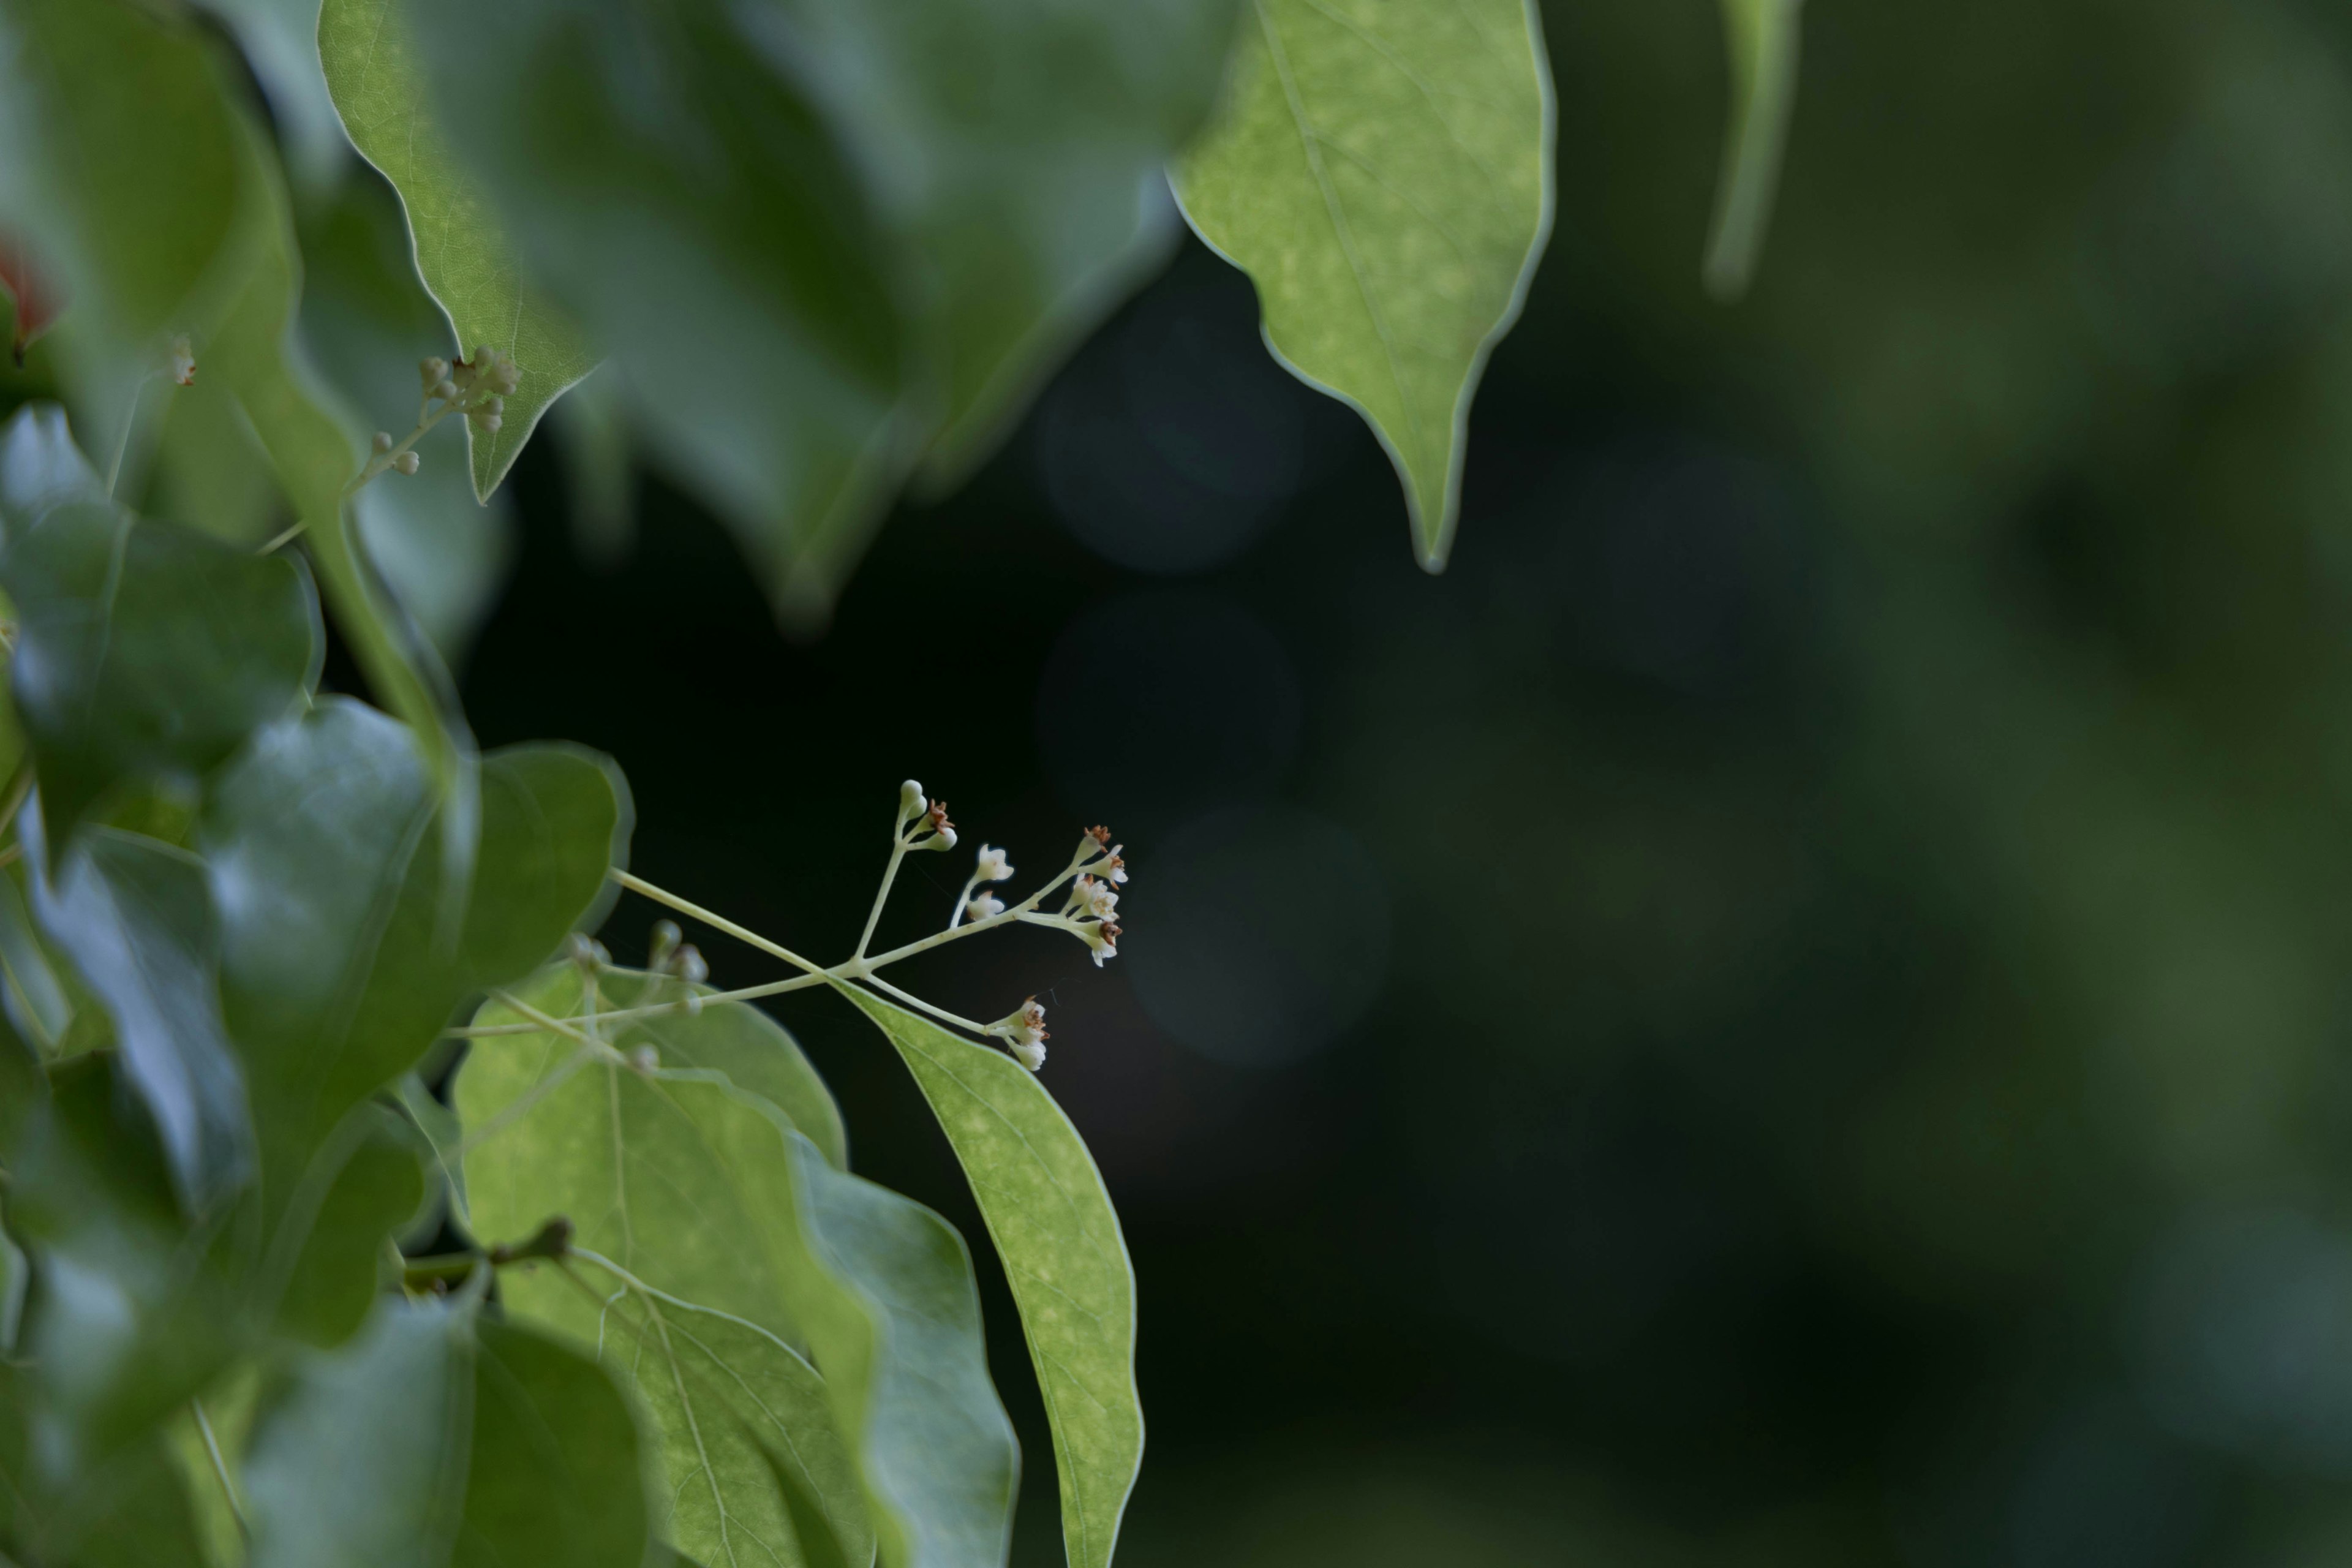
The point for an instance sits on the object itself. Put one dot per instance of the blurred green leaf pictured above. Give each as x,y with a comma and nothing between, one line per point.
1762,37
334,978
372,69
280,39
146,652
36,998
682,196
133,916
374,1196
363,1459
1383,175
14,1275
40,466
211,471
135,1514
1051,1219
136,1310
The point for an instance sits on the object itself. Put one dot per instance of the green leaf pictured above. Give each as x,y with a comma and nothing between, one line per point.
335,979
366,320
280,37
14,1275
363,1459
133,915
135,1514
1762,36
680,194
146,652
40,466
557,1474
137,1310
375,1194
376,78
742,1238
126,146
1383,175
1051,1219
36,998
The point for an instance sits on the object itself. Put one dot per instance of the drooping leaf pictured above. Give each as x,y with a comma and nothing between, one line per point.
1051,1219
363,1459
335,976
681,196
687,1181
1383,175
133,916
146,652
136,1309
1761,39
366,321
465,259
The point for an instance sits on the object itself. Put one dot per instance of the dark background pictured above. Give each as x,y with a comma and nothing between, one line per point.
1792,1008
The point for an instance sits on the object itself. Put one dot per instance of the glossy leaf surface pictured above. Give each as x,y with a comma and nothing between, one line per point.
461,248
1383,175
145,651
1051,1219
131,913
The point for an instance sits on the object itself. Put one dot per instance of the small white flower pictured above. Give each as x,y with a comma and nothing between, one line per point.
943,834
993,865
1029,1054
984,907
182,362
1101,936
644,1060
1024,1034
1097,898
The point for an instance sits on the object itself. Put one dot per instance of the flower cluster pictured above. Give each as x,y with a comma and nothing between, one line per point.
1090,913
930,829
1025,1034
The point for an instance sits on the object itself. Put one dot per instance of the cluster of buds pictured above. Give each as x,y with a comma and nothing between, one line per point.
679,961
930,829
1024,1034
1092,908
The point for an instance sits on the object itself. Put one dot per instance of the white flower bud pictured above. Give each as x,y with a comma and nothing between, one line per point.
665,943
383,442
910,800
406,463
1030,1054
983,907
433,372
447,392
993,865
644,1060
689,967
491,423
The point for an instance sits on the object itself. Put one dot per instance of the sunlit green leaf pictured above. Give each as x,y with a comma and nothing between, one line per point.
1762,37
687,1182
1051,1219
131,915
1383,175
334,976
467,260
145,651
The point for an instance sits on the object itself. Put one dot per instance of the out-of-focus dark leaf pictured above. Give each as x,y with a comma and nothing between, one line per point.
134,1514
467,260
135,1308
133,917
558,1472
323,1293
1051,1218
146,652
34,992
33,304
1383,175
40,466
280,39
335,976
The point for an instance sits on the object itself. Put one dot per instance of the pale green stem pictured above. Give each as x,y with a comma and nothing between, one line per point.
220,1471
715,921
881,894
912,1000
130,427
